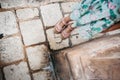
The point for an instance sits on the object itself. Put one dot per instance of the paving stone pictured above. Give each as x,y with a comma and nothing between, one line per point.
37,56
75,37
51,14
11,49
42,75
57,0
13,3
32,32
17,72
8,23
67,7
100,68
55,40
113,32
27,13
98,35
65,15
20,3
34,3
95,60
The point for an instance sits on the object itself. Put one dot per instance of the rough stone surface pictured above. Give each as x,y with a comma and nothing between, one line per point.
8,23
22,3
67,7
6,1
11,49
32,32
57,0
98,59
51,14
27,13
65,15
55,40
13,3
113,32
43,75
75,37
102,68
17,72
37,56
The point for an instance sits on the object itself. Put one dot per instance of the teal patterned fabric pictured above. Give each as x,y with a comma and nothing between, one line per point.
94,16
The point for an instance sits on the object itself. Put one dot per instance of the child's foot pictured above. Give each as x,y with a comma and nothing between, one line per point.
66,32
61,24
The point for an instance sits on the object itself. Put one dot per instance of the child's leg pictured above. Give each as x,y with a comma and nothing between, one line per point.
97,10
60,25
106,15
100,13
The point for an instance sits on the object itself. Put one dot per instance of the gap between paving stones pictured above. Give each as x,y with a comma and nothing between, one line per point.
25,53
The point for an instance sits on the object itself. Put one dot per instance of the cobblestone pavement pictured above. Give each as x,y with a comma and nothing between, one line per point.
28,38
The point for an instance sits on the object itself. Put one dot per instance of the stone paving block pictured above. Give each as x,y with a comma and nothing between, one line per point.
57,0
65,15
98,35
75,37
8,23
11,49
37,56
27,13
21,3
42,75
13,3
17,72
67,7
102,68
51,14
32,32
55,40
113,32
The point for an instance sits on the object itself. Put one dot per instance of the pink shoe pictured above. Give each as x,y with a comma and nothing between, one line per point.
61,25
66,32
